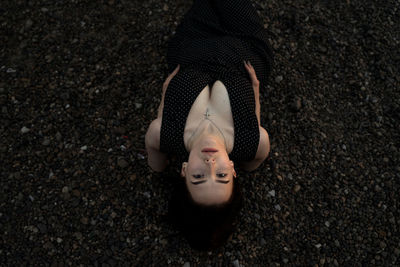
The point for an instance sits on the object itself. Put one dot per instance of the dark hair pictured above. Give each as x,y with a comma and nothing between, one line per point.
205,227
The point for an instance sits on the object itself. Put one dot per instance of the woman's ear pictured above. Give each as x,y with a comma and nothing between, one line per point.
183,170
233,169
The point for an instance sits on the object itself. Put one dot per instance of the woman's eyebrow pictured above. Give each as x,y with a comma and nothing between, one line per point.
199,182
218,181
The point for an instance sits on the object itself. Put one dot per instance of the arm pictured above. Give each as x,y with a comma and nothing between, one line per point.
263,145
256,87
262,152
164,89
155,158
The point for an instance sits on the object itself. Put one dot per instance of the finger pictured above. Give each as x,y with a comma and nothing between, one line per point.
247,65
176,70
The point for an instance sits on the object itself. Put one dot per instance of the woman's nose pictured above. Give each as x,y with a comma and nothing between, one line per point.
210,160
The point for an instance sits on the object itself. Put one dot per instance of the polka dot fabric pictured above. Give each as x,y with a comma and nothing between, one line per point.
210,44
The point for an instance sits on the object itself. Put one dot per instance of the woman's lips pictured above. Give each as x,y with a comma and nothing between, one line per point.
209,150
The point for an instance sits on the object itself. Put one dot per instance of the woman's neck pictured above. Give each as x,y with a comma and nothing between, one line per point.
206,130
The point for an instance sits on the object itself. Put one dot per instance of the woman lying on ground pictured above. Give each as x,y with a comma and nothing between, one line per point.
209,115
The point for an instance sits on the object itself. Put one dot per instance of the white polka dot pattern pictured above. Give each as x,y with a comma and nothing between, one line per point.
210,44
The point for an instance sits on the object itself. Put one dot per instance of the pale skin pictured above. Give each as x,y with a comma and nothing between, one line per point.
208,173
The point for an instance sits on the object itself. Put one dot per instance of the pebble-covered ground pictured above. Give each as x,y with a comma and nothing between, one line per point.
81,80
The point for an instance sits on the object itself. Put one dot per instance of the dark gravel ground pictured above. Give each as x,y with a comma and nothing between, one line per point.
81,80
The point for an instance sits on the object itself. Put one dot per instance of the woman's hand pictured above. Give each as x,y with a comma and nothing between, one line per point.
252,73
169,78
256,87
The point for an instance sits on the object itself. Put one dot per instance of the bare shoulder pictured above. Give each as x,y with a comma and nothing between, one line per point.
264,145
152,137
156,159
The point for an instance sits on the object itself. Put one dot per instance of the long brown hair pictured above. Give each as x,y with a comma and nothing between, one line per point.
205,227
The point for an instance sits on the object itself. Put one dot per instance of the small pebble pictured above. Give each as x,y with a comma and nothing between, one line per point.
296,188
25,130
42,228
296,104
46,142
187,264
20,196
78,235
83,148
76,193
84,220
271,193
122,163
28,24
58,136
165,7
236,263
278,79
277,207
48,245
120,130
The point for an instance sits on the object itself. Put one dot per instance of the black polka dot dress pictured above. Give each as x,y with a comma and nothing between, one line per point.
210,44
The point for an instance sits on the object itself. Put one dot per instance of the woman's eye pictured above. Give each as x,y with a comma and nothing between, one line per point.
221,175
198,176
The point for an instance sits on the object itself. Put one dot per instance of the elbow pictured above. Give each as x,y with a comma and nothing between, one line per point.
156,167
